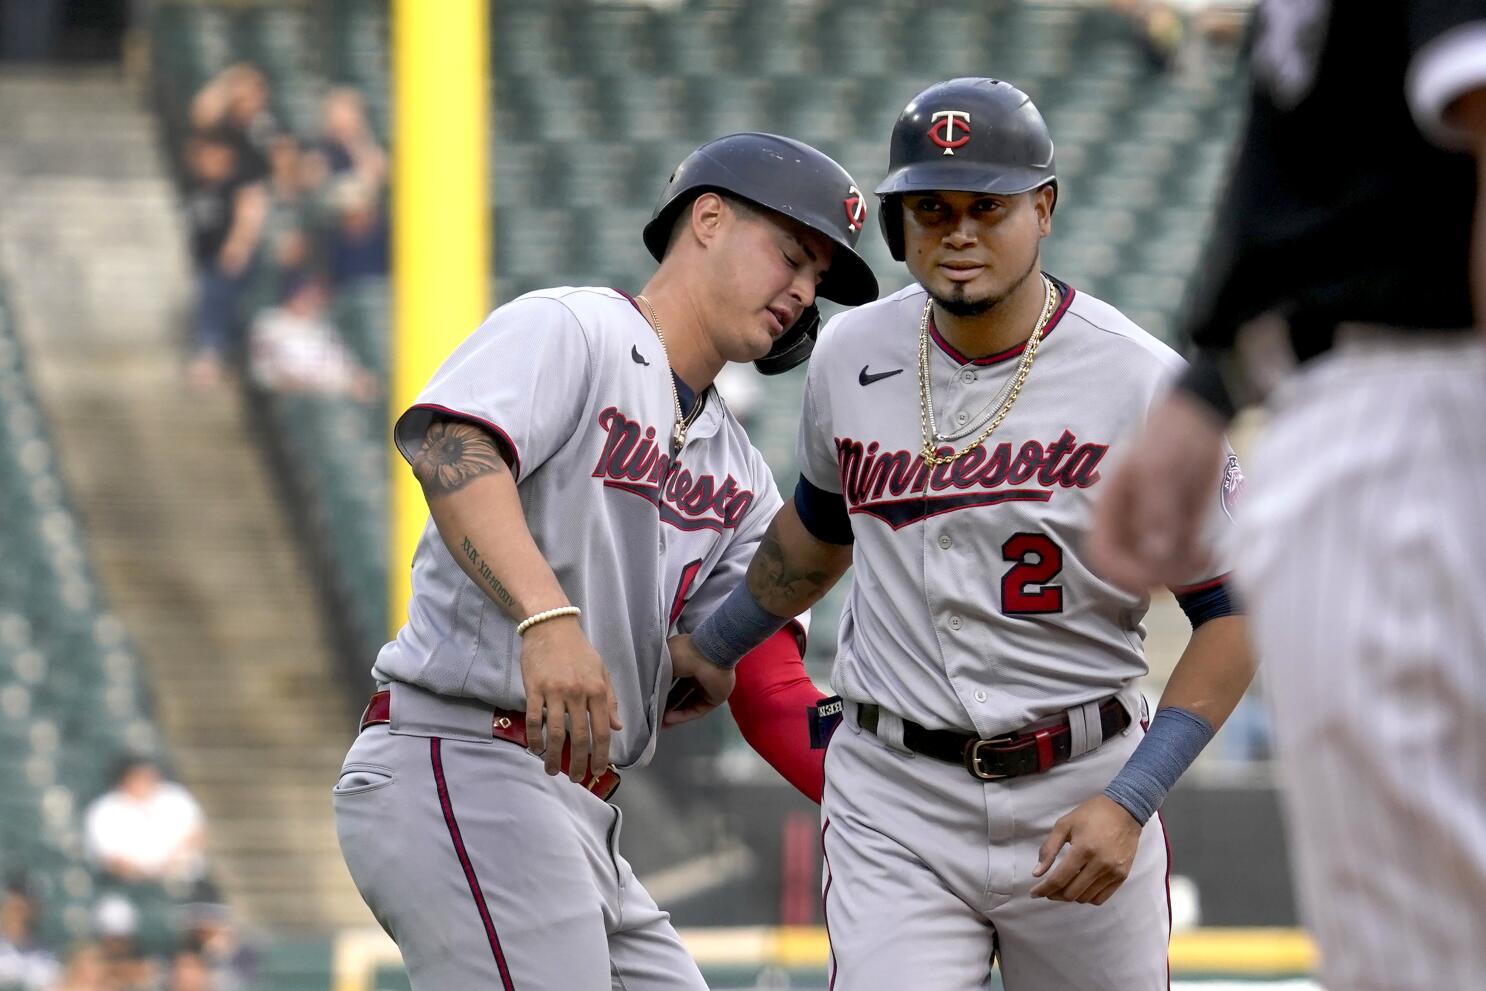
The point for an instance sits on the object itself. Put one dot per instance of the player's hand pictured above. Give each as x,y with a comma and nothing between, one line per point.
567,683
1101,838
1148,518
701,685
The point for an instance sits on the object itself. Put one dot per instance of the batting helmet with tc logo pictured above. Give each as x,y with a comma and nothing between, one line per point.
967,135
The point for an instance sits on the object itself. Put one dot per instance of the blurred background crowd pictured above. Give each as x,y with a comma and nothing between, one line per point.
194,362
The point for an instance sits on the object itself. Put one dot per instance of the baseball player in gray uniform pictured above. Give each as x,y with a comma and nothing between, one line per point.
991,792
589,494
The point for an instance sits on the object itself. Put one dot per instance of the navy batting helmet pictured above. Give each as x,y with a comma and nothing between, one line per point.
971,135
791,178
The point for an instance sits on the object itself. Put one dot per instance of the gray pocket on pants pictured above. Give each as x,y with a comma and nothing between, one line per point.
358,779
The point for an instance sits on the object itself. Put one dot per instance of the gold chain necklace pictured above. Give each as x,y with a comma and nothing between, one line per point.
683,423
927,424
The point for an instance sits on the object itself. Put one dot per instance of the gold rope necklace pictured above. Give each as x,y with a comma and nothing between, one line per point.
1003,402
683,423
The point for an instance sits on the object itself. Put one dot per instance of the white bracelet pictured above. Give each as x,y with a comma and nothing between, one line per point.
545,615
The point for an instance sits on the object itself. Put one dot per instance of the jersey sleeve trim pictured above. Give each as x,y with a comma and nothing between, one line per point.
1207,586
1449,66
404,443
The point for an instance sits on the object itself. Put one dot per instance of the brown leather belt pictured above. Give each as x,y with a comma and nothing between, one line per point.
505,724
1031,750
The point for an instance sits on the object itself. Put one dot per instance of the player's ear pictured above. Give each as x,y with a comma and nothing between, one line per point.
708,213
1043,198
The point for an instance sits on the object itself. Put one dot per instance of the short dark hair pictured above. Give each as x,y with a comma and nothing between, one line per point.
18,882
740,206
132,762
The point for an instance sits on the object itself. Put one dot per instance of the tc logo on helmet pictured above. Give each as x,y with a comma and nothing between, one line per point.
856,208
950,130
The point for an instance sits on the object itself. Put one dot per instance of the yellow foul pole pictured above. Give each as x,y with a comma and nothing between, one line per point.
440,213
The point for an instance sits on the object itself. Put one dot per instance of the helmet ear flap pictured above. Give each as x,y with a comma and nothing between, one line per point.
794,345
890,219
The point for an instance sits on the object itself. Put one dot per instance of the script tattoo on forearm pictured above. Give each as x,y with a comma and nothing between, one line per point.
497,590
453,455
780,590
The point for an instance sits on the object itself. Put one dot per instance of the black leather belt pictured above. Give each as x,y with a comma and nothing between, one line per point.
1031,750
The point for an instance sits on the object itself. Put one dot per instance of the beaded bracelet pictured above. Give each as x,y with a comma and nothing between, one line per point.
545,615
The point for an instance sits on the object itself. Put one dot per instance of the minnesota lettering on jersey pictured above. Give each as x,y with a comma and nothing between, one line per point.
898,488
632,462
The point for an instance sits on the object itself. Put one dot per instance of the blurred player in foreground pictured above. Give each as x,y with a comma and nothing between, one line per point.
1351,239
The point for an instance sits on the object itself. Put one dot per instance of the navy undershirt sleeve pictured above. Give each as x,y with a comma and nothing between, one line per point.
1208,603
823,513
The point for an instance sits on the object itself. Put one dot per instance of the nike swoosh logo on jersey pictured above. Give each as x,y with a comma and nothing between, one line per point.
865,379
634,352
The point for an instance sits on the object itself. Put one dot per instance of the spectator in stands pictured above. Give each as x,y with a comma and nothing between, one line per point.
210,932
347,146
289,183
147,829
1161,25
24,964
287,245
358,243
116,925
225,213
1158,26
236,101
295,348
86,970
189,972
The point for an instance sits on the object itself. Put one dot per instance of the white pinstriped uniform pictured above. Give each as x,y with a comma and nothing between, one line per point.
1362,544
1363,567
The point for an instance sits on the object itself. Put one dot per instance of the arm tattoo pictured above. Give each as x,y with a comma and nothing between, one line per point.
454,454
497,590
780,590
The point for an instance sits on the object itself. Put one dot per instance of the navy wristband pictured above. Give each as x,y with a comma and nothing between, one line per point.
739,625
1170,746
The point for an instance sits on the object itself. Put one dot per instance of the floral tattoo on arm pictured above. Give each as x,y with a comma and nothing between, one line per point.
455,453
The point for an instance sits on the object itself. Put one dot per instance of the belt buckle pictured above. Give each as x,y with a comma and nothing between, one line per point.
972,758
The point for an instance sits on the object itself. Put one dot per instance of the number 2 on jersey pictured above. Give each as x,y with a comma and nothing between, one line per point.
1025,588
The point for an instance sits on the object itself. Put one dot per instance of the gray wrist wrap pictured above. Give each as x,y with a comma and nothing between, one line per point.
1170,746
739,625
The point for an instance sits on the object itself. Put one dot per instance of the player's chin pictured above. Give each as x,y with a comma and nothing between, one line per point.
964,299
752,346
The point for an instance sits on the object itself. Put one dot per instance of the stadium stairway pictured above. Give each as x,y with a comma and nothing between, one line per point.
183,522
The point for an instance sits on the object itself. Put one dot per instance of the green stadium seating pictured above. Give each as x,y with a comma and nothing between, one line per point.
72,697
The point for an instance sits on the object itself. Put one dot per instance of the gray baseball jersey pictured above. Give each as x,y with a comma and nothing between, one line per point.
973,605
575,383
